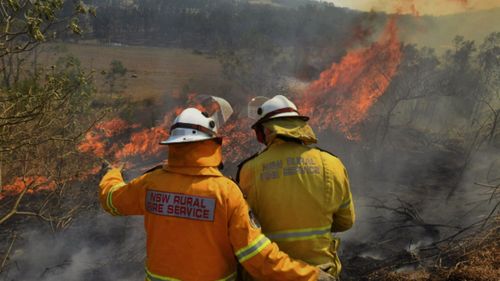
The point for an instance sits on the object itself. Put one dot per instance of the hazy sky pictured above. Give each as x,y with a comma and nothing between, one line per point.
424,7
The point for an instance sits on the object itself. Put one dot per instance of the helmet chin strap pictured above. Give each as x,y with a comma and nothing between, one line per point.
260,134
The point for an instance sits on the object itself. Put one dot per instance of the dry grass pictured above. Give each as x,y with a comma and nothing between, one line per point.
481,264
152,71
475,259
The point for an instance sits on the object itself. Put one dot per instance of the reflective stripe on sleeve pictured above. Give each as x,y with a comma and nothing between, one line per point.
109,199
155,277
253,248
231,277
345,204
299,234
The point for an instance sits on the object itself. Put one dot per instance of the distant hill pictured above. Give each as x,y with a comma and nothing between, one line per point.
235,24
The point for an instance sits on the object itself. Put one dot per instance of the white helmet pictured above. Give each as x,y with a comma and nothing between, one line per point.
277,107
190,126
194,125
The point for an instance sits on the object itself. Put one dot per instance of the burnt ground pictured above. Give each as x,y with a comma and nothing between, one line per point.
425,217
409,226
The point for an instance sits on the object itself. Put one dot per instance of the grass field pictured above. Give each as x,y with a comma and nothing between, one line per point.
151,71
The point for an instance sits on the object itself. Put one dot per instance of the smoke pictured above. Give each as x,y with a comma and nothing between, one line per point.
96,246
403,203
424,7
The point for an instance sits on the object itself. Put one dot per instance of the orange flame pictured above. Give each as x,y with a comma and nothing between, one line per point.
238,141
87,174
117,141
145,142
35,183
92,144
95,140
341,97
113,127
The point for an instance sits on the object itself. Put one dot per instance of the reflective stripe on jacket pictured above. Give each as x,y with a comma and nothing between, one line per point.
197,221
299,194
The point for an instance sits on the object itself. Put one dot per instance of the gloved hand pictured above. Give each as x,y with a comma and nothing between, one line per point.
120,167
323,272
106,166
326,267
323,276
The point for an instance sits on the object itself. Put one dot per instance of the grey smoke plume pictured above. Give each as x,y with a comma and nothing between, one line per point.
96,246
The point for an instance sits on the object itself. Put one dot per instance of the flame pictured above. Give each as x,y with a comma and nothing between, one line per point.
87,174
238,142
95,141
339,99
113,127
145,142
343,94
35,183
113,141
93,144
106,140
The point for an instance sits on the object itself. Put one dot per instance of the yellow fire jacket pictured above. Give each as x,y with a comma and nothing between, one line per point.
299,194
197,223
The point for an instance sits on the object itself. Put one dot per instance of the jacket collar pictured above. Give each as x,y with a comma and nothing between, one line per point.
195,158
289,128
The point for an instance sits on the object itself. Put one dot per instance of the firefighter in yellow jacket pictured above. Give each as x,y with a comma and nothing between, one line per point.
299,193
197,223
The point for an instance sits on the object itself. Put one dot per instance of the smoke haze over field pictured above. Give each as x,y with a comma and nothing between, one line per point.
425,7
96,247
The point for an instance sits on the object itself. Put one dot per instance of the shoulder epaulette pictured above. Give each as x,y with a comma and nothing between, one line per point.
153,169
243,163
323,150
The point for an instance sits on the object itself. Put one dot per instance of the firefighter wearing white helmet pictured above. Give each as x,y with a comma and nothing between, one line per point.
299,193
277,107
198,225
192,125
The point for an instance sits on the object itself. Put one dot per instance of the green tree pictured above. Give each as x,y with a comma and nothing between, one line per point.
26,23
43,111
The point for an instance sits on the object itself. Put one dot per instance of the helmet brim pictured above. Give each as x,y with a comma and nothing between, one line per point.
186,139
281,116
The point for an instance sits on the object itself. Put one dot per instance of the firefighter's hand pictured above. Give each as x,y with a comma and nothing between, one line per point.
323,276
323,272
119,166
106,166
